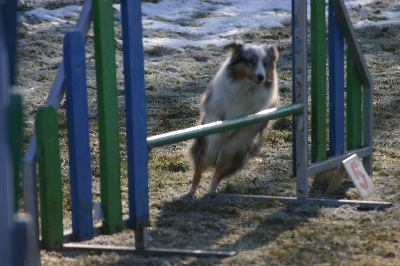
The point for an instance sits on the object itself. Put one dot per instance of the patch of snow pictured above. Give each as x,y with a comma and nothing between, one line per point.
210,22
357,3
55,16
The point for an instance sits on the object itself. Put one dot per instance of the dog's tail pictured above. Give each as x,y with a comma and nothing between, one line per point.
195,150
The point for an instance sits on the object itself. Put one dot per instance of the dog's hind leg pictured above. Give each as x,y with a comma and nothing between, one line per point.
196,178
197,154
228,167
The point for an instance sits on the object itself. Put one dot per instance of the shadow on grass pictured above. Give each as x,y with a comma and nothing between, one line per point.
214,224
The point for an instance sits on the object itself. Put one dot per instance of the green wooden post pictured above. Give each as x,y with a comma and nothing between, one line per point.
107,102
49,177
318,81
16,135
354,109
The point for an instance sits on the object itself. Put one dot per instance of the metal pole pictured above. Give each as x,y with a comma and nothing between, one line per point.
220,126
300,95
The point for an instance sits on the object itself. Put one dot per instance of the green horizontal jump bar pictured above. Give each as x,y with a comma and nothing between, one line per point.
220,126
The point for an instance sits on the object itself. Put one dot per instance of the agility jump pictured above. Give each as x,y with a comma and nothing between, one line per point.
72,74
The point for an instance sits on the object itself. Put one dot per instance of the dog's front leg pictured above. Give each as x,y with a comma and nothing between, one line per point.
214,184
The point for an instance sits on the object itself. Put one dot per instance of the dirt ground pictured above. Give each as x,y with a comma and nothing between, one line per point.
262,233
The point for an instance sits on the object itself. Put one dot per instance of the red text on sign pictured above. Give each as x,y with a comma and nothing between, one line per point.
359,175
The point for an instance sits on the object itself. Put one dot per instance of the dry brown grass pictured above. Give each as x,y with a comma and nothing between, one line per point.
262,233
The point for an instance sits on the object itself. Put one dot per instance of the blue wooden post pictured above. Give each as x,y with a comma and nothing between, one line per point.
336,86
6,187
21,235
135,116
78,136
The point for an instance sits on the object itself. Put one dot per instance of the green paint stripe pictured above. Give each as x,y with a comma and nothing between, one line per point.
318,81
16,136
110,183
49,177
354,109
220,126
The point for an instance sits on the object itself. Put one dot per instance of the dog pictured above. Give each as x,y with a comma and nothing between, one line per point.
245,84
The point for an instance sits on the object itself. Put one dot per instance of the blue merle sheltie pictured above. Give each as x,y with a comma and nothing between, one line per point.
245,84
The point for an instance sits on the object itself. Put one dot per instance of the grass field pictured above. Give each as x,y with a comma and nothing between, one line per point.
262,233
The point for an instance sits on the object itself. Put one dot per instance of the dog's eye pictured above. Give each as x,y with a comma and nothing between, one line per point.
264,63
252,61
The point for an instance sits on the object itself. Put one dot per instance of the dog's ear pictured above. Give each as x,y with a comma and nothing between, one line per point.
234,46
272,53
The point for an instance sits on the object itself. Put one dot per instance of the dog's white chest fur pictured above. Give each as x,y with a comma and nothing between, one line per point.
233,99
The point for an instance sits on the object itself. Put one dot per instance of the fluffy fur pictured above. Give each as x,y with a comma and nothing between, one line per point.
245,84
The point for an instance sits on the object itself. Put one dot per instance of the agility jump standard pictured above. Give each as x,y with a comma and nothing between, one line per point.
14,227
138,144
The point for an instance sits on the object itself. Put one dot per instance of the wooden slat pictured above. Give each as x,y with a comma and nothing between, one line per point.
336,86
353,103
6,190
318,81
107,102
51,209
78,136
15,127
21,235
135,103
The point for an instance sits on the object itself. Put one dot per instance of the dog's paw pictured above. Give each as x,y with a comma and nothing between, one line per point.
190,195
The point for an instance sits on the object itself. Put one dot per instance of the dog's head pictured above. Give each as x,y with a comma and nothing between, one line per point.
255,63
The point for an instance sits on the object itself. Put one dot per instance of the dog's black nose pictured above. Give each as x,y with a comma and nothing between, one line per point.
260,77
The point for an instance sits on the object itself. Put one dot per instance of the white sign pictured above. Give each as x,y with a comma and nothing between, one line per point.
359,176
